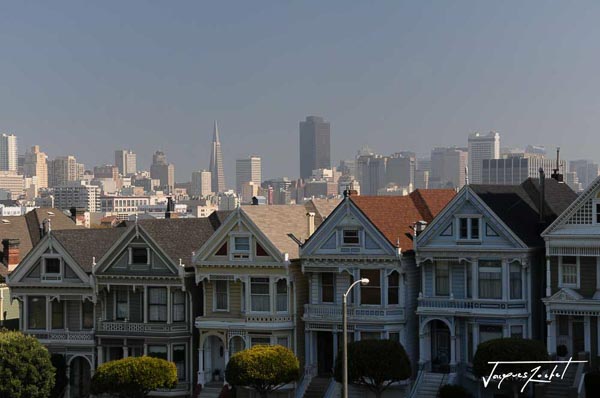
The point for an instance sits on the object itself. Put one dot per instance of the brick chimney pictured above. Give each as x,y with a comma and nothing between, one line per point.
11,253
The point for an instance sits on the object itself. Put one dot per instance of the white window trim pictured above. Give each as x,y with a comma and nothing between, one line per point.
270,310
457,237
359,236
502,281
287,295
131,256
215,309
382,288
560,273
233,252
52,277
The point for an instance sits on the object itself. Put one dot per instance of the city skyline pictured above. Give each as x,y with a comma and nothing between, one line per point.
434,80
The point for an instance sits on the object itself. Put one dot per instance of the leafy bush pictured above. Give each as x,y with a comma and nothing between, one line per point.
134,377
375,364
509,349
592,383
263,368
25,367
453,391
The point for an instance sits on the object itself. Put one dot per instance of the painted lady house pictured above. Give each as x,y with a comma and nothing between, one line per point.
481,263
252,286
364,237
572,274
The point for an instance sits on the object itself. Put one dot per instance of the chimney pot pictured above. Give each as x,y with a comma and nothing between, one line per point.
311,222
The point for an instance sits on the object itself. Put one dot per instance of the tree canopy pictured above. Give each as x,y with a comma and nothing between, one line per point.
25,367
375,364
134,377
263,368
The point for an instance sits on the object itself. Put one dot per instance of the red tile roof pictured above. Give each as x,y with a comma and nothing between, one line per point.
395,216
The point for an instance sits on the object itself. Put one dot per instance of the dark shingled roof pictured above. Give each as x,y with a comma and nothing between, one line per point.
518,206
27,229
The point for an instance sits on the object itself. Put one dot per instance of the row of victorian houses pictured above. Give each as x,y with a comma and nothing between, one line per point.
447,271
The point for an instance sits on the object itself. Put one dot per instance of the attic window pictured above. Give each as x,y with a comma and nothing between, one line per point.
350,237
139,255
52,266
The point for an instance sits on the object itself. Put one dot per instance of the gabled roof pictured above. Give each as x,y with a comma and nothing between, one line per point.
276,222
394,216
27,229
518,205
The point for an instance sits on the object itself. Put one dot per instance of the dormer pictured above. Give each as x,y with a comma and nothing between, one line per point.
52,268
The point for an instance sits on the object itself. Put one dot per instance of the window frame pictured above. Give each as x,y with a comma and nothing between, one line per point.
501,272
268,295
370,286
390,288
174,293
131,248
357,237
435,277
510,280
321,285
117,302
151,346
236,254
62,314
184,362
469,220
216,293
561,265
278,295
595,213
52,276
150,304
43,312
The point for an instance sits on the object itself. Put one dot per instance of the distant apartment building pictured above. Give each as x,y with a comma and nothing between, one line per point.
106,171
516,168
371,170
315,145
586,171
78,195
481,147
201,183
64,169
401,169
36,165
11,185
9,153
279,190
248,191
448,167
123,206
247,170
163,171
126,162
421,179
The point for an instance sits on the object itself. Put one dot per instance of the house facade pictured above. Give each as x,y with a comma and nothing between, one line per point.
572,275
253,290
364,237
480,262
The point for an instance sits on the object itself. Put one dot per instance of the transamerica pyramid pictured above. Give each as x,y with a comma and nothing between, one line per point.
217,175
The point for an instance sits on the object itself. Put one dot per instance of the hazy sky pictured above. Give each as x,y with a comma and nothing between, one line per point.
86,78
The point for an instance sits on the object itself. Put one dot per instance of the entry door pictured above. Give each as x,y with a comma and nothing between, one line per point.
578,337
324,353
440,347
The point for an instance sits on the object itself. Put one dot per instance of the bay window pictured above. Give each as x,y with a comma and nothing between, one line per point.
490,279
442,278
221,296
394,288
327,287
179,360
157,304
87,309
568,271
36,312
260,299
516,283
178,306
122,303
58,317
370,293
282,295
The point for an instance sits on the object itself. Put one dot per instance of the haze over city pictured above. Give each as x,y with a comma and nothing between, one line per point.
85,79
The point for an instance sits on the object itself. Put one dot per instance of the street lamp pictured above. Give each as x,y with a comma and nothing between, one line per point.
363,281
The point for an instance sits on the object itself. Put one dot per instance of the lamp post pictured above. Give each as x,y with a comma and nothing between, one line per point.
363,281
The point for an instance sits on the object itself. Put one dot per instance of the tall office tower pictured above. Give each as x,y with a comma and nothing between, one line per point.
163,171
247,170
9,154
371,170
216,163
481,147
126,161
315,145
36,165
586,171
516,168
201,183
400,169
64,169
106,171
448,167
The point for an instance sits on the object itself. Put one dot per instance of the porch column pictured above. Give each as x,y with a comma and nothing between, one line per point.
587,335
336,344
48,314
453,353
169,307
307,355
100,355
145,304
226,355
474,279
125,351
200,366
548,278
422,348
475,341
551,341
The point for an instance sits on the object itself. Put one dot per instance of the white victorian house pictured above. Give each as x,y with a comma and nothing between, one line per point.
364,237
481,265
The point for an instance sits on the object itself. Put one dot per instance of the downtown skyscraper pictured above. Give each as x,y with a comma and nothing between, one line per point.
216,163
9,154
315,145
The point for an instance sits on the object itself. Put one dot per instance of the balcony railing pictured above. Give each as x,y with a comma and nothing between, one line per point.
64,336
268,318
447,304
134,327
362,313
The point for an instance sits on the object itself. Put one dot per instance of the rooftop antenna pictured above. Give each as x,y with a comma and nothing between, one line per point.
556,172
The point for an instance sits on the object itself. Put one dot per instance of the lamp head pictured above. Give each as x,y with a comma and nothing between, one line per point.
364,281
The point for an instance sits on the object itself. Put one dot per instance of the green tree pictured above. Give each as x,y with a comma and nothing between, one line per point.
375,364
134,377
508,349
25,367
263,368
